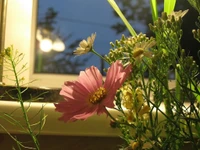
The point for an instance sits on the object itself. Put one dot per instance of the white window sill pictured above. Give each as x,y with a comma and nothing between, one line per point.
94,126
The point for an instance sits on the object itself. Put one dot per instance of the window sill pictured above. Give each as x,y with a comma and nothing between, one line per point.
94,126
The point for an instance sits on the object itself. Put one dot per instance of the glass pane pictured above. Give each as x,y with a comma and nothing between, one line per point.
69,21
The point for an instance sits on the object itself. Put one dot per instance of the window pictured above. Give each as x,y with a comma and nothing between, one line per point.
69,22
76,20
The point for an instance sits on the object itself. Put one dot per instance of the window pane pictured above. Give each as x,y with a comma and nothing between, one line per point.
70,21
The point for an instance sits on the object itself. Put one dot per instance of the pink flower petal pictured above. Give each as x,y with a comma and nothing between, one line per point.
73,111
77,93
91,79
73,90
115,78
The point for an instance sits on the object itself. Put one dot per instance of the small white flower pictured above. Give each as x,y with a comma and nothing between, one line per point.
178,14
142,49
85,46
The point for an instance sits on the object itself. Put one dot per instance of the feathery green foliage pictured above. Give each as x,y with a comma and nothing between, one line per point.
12,65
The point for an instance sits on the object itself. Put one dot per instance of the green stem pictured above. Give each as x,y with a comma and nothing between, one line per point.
19,144
94,52
147,95
167,99
108,113
177,88
191,134
22,106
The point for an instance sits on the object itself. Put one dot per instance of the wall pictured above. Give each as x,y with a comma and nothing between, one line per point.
18,30
67,142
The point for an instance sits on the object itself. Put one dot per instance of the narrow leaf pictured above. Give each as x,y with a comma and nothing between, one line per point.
169,6
154,10
123,18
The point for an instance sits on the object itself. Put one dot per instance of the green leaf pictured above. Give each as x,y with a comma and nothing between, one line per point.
169,6
154,10
198,129
197,95
123,18
193,88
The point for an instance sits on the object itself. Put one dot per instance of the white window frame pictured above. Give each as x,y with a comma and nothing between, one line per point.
20,32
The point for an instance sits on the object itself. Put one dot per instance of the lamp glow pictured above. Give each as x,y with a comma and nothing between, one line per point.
58,45
46,45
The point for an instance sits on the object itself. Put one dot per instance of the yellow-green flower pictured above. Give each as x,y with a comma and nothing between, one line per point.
139,99
127,96
85,46
141,49
132,100
178,14
134,145
144,110
130,117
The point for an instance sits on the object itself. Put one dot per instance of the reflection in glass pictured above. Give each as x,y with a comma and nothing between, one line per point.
63,24
60,28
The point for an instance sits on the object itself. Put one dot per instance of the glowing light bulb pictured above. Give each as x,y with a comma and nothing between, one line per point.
58,45
46,45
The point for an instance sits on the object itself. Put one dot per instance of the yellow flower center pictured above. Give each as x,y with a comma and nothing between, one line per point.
138,52
98,95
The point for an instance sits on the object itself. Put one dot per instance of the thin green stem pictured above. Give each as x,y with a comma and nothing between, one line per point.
167,99
22,105
147,95
94,52
116,121
18,142
178,89
191,134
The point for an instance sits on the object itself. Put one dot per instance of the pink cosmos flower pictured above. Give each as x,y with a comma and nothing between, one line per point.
90,94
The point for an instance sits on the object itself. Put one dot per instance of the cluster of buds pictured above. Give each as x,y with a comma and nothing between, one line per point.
135,104
196,34
168,30
131,49
170,24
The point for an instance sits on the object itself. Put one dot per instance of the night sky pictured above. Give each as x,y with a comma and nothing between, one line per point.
83,17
